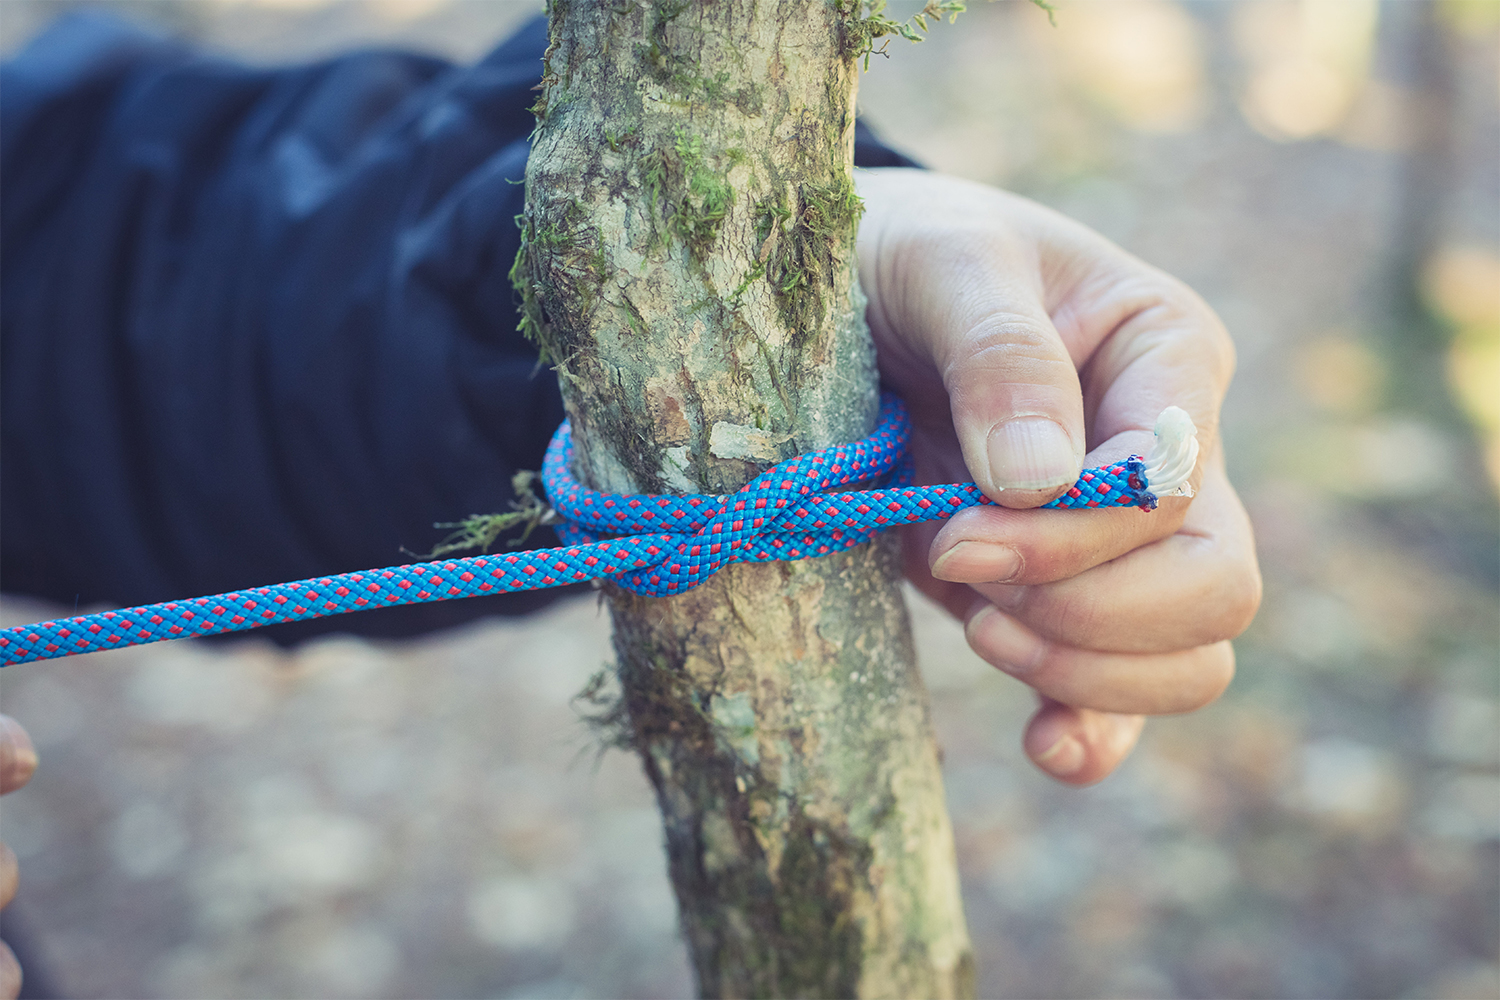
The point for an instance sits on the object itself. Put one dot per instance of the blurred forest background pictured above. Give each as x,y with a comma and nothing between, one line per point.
432,819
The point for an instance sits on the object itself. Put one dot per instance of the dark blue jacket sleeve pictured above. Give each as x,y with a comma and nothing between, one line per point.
255,324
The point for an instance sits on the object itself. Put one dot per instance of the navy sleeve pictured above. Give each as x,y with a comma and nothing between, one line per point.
255,324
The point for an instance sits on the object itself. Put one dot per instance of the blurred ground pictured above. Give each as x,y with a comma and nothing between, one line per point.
432,820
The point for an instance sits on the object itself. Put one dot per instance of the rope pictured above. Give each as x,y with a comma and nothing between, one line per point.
655,545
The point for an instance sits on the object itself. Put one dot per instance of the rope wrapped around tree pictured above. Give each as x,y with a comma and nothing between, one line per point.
653,545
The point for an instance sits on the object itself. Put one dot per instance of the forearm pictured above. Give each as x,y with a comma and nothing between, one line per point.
256,323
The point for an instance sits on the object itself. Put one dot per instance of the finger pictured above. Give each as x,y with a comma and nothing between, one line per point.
17,755
1078,746
916,540
9,877
10,973
1135,683
1196,587
997,545
965,291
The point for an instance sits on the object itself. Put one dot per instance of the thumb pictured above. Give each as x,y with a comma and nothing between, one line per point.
1015,396
956,290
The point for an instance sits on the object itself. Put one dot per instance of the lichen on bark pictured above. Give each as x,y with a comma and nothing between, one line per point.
688,267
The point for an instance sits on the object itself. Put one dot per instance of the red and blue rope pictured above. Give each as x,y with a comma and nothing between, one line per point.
656,545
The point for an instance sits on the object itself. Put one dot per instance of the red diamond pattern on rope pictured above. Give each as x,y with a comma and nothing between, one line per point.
784,513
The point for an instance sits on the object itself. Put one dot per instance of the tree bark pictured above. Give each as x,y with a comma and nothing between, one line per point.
688,267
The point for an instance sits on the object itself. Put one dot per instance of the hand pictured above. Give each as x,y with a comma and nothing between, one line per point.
17,762
1028,347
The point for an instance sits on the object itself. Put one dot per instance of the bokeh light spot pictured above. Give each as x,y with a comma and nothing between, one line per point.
1142,59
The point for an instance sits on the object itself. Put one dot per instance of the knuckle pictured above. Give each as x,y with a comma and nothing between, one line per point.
968,246
1239,599
1052,560
1073,618
1178,322
1042,565
1215,673
1008,343
1249,593
18,759
1213,334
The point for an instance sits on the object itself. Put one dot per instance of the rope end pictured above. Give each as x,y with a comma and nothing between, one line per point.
1174,455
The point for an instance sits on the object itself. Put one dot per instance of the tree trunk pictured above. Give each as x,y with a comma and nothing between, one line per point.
688,267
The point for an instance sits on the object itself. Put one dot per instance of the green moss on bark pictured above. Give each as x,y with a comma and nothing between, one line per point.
559,266
689,193
803,245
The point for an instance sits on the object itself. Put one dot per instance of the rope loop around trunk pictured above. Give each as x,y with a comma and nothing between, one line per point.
654,545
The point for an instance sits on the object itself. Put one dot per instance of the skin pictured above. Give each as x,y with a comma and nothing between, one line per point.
17,764
987,307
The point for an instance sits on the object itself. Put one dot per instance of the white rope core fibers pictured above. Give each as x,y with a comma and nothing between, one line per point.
1173,455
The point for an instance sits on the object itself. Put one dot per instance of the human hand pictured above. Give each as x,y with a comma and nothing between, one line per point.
17,762
1028,347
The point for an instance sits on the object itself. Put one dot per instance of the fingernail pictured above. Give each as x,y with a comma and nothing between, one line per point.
1032,453
1062,759
978,562
1003,643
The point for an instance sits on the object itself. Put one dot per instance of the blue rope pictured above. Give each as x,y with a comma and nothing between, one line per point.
655,545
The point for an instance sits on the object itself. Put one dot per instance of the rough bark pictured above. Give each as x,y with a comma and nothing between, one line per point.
688,267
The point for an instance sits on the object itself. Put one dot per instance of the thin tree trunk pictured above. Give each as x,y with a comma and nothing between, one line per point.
688,267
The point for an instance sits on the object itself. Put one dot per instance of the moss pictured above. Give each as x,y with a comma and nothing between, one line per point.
703,211
633,317
865,22
601,706
617,141
558,273
756,272
819,950
555,10
481,531
688,197
715,87
682,75
750,101
533,324
631,439
656,55
802,247
664,705
708,196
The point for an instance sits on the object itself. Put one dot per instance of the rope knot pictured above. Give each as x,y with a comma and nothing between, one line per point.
777,515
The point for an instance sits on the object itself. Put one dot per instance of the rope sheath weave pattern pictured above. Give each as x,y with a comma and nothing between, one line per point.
656,545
